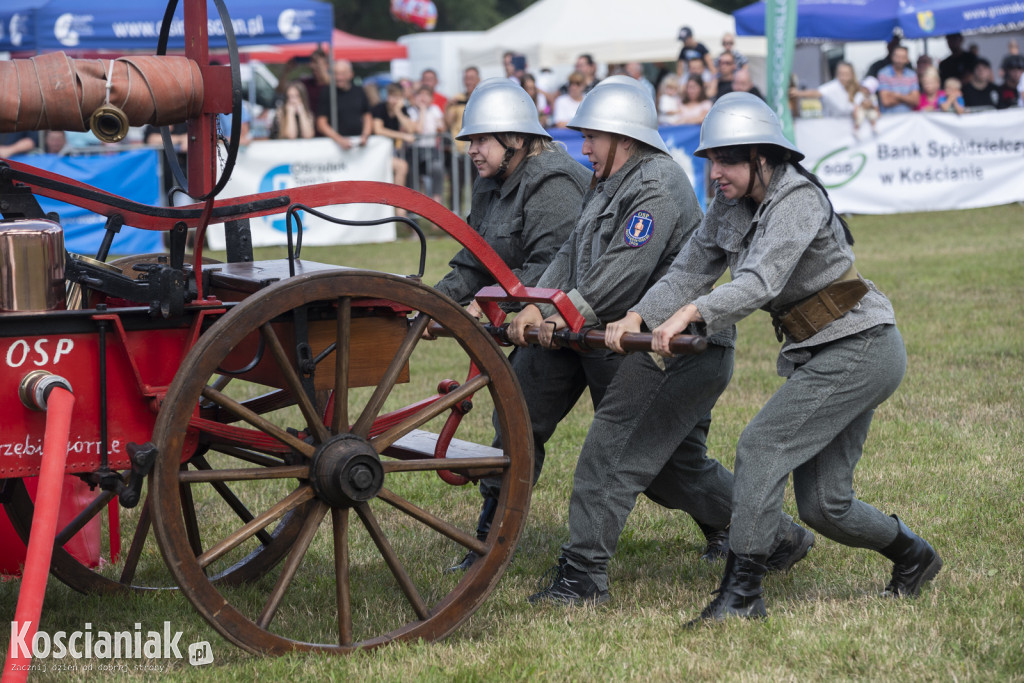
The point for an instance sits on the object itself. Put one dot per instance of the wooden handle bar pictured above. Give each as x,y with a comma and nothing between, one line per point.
590,339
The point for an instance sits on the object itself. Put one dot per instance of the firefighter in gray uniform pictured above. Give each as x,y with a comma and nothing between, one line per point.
525,204
771,223
650,428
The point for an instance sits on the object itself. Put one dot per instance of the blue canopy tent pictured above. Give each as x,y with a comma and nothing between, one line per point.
839,20
857,20
48,25
928,18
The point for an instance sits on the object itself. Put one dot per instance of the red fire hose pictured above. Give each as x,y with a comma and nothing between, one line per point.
58,403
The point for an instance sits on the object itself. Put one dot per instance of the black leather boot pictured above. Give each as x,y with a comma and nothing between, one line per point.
740,592
716,545
791,549
483,527
914,563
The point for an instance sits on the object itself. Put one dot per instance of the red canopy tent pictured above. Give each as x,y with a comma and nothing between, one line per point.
346,46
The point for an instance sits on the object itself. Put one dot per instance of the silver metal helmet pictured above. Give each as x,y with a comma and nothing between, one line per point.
620,108
741,118
498,105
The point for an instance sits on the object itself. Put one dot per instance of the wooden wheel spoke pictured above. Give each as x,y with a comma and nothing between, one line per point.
339,524
259,422
294,382
429,464
131,560
388,553
231,499
387,382
290,502
291,565
339,418
84,517
469,541
249,455
188,511
429,412
245,474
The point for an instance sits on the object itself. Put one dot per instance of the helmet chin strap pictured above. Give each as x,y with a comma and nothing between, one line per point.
607,163
506,159
753,170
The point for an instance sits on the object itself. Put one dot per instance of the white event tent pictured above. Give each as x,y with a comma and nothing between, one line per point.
554,32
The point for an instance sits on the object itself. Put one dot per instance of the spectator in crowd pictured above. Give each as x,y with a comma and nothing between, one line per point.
696,104
897,84
741,83
318,79
979,90
931,91
586,65
529,84
636,71
515,66
670,102
457,105
729,48
566,105
727,66
691,50
844,97
13,144
429,79
959,63
54,142
924,62
698,67
893,43
354,120
1009,91
952,99
294,119
429,121
391,119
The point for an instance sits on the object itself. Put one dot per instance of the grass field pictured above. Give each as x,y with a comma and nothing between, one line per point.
946,453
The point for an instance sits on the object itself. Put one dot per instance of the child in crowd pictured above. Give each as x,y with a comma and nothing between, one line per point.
952,98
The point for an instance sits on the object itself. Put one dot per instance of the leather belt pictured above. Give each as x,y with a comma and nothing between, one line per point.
807,318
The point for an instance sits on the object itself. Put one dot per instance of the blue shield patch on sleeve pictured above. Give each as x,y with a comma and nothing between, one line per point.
639,229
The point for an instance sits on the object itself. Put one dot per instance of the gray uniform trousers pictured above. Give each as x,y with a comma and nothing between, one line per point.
649,436
552,380
815,425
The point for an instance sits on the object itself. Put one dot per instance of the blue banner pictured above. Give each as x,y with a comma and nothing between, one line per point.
134,175
46,25
682,142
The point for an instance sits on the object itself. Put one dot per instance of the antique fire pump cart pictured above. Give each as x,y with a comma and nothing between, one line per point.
256,398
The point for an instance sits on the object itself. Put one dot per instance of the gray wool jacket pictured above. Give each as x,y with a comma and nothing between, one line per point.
525,218
779,253
632,226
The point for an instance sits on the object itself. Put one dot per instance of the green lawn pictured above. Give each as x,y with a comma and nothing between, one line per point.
946,453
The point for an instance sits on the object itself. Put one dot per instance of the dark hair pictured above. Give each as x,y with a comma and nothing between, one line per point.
775,156
588,57
427,71
703,93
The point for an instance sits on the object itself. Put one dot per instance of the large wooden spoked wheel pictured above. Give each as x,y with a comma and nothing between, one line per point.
138,565
346,584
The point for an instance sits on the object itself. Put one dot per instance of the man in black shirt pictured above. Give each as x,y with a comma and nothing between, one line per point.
1009,91
979,90
353,109
960,63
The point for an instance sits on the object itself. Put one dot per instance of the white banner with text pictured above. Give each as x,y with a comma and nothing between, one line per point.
267,165
918,161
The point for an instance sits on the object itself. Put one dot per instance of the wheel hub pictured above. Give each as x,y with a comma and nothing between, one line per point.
346,471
